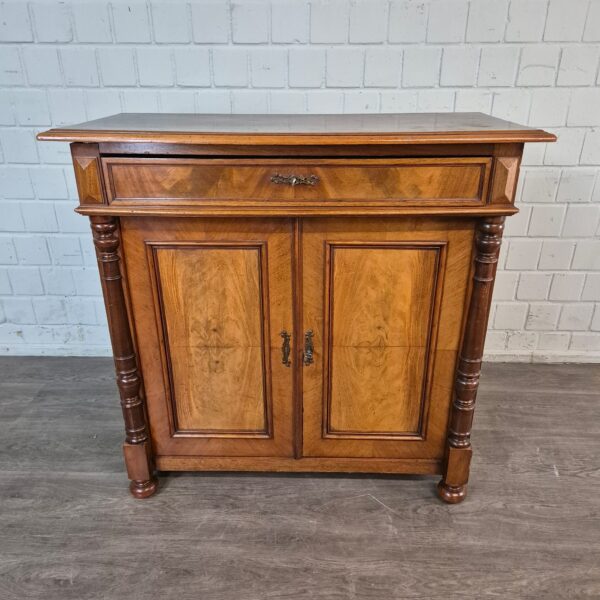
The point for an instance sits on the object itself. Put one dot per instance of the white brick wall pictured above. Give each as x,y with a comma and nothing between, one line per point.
534,61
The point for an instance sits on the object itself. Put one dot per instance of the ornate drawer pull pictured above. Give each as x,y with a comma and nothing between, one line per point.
285,348
308,348
294,179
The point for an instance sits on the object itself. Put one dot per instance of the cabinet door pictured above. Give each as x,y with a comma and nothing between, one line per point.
209,299
384,299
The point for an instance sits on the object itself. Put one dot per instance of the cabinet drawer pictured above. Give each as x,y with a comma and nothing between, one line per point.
431,181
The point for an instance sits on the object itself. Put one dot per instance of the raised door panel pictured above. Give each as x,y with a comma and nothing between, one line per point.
385,302
209,300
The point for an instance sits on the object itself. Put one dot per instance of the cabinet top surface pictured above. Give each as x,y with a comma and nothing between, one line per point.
406,128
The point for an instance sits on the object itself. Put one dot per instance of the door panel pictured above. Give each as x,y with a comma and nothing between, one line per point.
210,298
384,299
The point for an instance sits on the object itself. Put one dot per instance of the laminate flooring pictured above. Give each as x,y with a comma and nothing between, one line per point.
69,529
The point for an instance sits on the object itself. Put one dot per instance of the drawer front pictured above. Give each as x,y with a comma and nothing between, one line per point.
429,181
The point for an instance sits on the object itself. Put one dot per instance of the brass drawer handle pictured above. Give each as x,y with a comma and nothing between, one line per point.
294,180
285,348
308,348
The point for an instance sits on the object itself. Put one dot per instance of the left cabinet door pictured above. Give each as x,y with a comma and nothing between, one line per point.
210,299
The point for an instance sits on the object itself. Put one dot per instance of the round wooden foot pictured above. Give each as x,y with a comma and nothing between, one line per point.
143,489
452,494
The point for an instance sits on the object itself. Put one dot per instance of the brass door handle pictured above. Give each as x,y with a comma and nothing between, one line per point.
308,348
294,180
285,348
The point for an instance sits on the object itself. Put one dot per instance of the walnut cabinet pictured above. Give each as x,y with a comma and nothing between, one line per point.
298,293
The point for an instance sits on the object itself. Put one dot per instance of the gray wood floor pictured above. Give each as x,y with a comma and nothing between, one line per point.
69,529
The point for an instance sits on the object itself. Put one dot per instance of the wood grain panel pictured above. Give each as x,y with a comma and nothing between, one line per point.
387,323
380,311
435,181
213,314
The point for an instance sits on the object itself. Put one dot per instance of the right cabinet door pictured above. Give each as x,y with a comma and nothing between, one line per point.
384,301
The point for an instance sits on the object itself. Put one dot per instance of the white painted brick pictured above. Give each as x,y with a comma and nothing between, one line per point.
498,66
177,101
39,216
523,254
505,285
285,102
567,286
50,311
345,67
290,22
7,115
591,288
473,101
542,316
495,340
250,22
230,67
576,185
421,67
170,22
268,67
92,23
435,101
526,20
447,21
32,250
361,101
88,251
383,67
585,342
87,281
581,220
584,107
131,22
31,107
596,319
538,65
101,103
556,255
549,107
11,216
210,22
116,66
329,21
192,66
546,220
67,106
306,67
578,65
487,19
19,145
534,286
510,315
408,21
402,101
567,149
459,65
52,21
8,254
214,101
48,182
540,185
15,182
81,310
18,310
65,250
590,153
512,105
249,101
79,66
54,153
368,21
575,317
42,66
5,286
155,66
15,25
566,19
136,100
11,72
592,26
553,341
68,220
58,281
325,102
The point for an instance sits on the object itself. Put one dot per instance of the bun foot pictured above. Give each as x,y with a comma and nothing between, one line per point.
452,494
143,489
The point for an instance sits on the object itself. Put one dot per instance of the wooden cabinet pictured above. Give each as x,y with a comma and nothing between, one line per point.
297,293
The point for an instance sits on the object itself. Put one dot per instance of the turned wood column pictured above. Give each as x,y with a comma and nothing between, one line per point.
136,448
488,237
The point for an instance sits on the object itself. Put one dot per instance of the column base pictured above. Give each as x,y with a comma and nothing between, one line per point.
143,489
452,494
